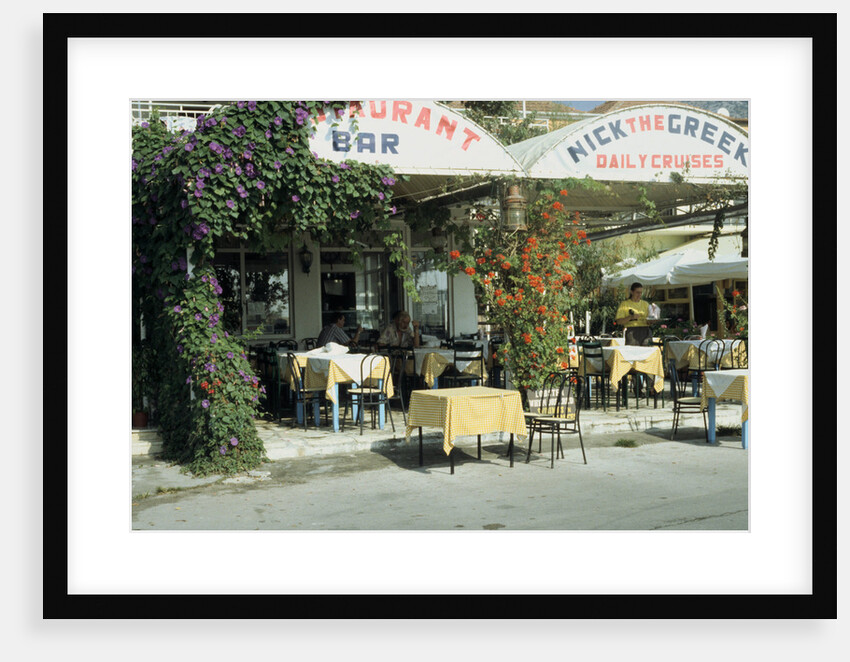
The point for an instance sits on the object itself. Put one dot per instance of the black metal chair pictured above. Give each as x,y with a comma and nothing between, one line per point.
565,419
497,371
375,394
592,366
466,353
303,395
546,406
309,343
708,358
737,352
291,345
662,347
403,382
681,403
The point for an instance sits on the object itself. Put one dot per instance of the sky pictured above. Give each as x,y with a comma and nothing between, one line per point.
583,105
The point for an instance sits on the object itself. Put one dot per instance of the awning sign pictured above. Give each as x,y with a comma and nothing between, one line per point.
414,137
641,143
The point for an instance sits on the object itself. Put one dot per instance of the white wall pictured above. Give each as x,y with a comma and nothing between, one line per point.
464,306
306,294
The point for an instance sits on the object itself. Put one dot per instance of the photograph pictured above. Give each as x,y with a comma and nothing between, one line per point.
423,314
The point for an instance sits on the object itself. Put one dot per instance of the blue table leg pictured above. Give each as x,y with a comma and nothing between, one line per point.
299,413
336,408
381,408
317,411
354,406
436,383
712,437
694,386
745,434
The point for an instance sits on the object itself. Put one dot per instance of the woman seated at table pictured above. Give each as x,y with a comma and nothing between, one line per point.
632,315
400,333
334,333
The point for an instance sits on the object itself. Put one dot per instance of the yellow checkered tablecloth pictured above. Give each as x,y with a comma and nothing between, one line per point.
336,375
435,364
283,366
472,410
619,365
727,385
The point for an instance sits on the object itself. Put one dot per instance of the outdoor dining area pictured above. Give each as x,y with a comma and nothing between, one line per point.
460,388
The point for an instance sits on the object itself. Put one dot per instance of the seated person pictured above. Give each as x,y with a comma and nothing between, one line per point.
400,333
334,333
632,315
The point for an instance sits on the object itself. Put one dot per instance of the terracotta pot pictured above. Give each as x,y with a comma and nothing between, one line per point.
140,419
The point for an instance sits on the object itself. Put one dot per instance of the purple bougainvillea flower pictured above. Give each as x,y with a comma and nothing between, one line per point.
204,278
178,309
252,105
381,196
277,165
189,379
315,156
222,450
249,170
230,355
233,441
240,104
289,151
179,349
184,204
219,168
145,125
392,209
261,184
295,198
199,193
246,154
278,121
214,146
335,179
200,184
231,204
205,403
238,170
269,134
345,166
214,338
355,214
198,317
189,147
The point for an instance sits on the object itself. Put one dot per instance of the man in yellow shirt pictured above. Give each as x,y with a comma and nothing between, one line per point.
632,315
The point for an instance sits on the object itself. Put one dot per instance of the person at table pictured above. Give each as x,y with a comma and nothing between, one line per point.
632,315
333,333
401,332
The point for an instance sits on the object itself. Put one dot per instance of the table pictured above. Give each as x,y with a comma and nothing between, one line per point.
727,385
431,362
329,370
623,359
470,410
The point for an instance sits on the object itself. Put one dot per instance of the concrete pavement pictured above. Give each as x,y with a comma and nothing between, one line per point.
660,484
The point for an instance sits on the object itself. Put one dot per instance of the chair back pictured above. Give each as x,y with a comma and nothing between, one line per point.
469,353
710,353
464,344
569,398
371,363
288,344
295,371
309,343
550,394
677,386
738,353
592,350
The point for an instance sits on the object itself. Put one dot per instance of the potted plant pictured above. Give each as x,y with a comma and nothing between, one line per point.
141,384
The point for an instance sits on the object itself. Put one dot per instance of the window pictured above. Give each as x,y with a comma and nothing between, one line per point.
433,289
255,291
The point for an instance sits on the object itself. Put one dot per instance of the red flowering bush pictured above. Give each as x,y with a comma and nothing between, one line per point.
526,281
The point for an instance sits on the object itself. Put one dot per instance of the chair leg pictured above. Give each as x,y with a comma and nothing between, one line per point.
705,424
552,451
530,442
479,446
675,421
581,442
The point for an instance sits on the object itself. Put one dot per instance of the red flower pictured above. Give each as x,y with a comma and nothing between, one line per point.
560,350
506,265
481,260
587,241
545,215
501,302
582,234
470,271
736,293
455,255
497,293
564,365
527,338
488,252
541,309
518,297
564,191
491,274
568,234
486,281
557,205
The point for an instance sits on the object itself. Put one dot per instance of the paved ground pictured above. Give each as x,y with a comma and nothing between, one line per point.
684,484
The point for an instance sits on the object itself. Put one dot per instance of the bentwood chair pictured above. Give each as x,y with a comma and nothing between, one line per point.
708,358
565,419
374,395
681,403
304,395
291,345
737,355
403,381
497,372
309,343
